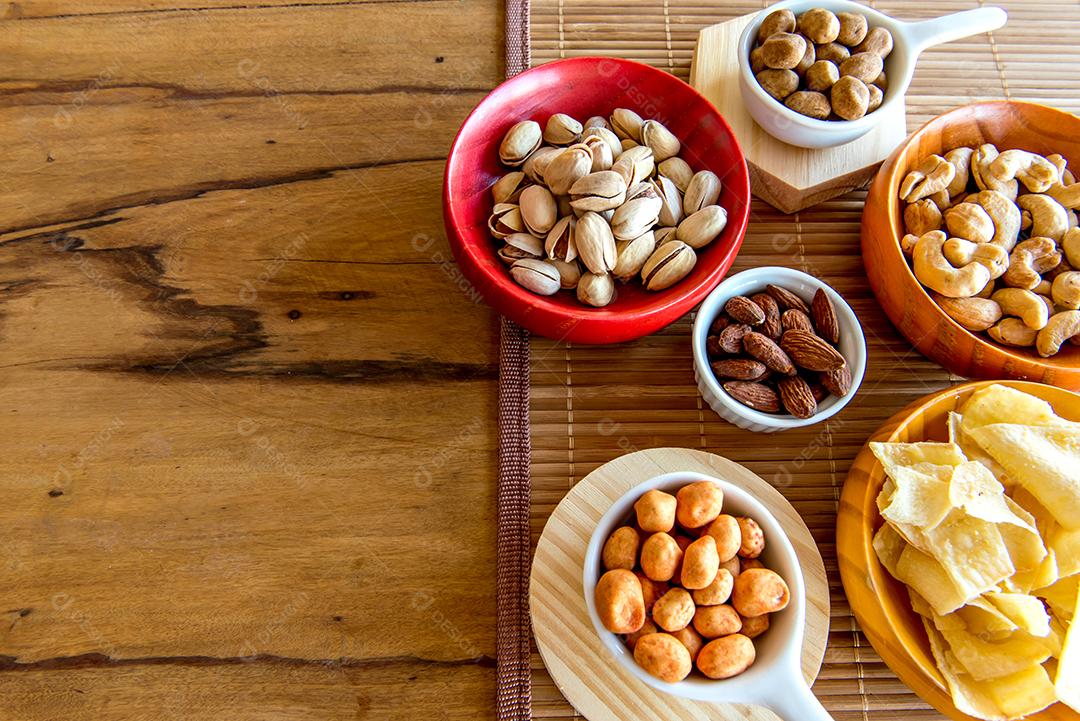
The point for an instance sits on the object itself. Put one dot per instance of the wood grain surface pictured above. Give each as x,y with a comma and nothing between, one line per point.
588,676
247,403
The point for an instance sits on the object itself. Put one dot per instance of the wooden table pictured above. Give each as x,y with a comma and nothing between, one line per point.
246,402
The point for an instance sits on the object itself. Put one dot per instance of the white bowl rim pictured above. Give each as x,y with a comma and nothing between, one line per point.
759,681
710,308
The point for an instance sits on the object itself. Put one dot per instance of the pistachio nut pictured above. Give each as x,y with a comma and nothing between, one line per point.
519,142
663,235
660,140
668,264
604,190
608,137
509,187
538,209
703,189
643,189
607,215
563,202
602,159
626,124
561,129
505,219
635,165
536,164
701,228
521,245
561,241
539,276
678,170
627,143
595,243
596,121
569,273
671,211
634,217
632,254
596,289
566,168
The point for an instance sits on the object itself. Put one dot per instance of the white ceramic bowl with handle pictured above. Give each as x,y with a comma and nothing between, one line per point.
852,346
909,40
775,679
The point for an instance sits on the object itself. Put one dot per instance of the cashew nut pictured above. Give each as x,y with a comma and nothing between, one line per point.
1048,218
1004,213
941,199
932,176
1065,290
1070,243
1023,304
987,291
960,158
1062,166
1058,329
1066,194
1012,331
1045,255
907,244
922,216
975,314
1034,171
1043,288
960,252
970,222
980,169
935,272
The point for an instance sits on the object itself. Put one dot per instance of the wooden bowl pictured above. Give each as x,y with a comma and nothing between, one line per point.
583,87
880,602
1037,128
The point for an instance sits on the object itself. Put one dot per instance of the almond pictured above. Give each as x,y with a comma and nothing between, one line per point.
824,316
766,351
771,326
713,347
744,310
795,319
731,338
741,369
819,391
838,381
797,397
718,325
755,395
786,298
810,352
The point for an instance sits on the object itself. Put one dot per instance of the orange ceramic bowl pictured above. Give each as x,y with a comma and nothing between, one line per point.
880,602
1037,128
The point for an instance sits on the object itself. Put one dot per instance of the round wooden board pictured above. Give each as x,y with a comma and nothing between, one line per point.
590,679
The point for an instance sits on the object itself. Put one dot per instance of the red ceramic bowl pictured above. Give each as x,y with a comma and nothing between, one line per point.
583,87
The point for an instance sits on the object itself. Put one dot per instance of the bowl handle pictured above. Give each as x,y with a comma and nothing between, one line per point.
927,33
796,702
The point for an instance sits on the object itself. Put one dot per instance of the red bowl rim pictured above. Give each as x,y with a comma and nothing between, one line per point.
601,325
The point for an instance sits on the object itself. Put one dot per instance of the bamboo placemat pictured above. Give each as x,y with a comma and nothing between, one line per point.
590,404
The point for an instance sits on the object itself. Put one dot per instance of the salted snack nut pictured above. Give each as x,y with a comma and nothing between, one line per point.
716,621
809,103
660,557
655,511
717,592
647,628
819,25
651,590
754,626
663,656
698,504
751,536
691,639
727,534
619,602
850,98
621,549
674,610
726,657
700,563
758,591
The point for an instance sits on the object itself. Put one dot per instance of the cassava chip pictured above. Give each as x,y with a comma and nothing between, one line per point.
918,499
972,552
1066,546
985,660
1067,680
985,620
926,576
1027,612
933,459
968,696
1022,693
1001,404
888,545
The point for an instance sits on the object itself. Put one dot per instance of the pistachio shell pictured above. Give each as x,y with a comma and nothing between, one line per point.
519,142
634,217
671,210
608,137
596,289
561,129
678,170
505,219
595,243
644,189
509,187
660,140
596,121
703,189
561,241
539,276
567,168
663,235
569,273
521,245
537,163
635,165
632,254
701,228
538,209
602,159
668,264
626,124
604,190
